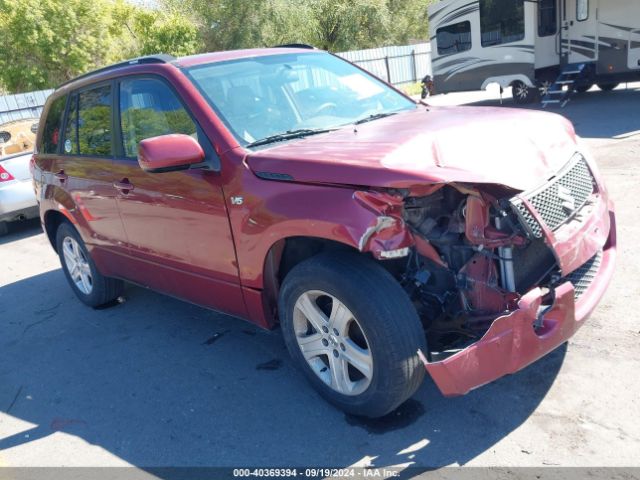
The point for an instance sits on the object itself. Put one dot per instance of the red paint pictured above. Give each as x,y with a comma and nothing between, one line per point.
478,230
169,151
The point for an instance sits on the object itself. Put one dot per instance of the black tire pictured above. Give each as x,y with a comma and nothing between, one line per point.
4,229
104,289
523,94
584,88
607,87
382,310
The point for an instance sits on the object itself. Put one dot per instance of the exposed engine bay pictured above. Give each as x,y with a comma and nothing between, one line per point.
473,261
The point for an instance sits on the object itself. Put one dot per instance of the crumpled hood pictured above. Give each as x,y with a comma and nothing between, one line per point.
515,148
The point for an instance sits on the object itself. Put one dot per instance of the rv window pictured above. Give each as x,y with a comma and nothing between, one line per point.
582,13
454,38
501,21
547,18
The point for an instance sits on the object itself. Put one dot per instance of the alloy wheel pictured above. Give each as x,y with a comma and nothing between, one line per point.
77,265
333,343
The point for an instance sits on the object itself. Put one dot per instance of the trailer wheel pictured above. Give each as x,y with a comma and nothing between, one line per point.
524,94
607,87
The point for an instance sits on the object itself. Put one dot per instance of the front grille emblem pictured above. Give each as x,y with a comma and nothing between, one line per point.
568,201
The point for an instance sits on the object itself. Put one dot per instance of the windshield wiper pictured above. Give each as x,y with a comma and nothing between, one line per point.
289,135
375,116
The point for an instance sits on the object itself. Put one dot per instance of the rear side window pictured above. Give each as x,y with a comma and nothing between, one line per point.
149,108
454,38
52,126
94,121
501,21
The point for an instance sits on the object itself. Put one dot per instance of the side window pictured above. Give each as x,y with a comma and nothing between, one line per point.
501,21
149,108
52,125
582,12
70,145
547,18
454,38
94,122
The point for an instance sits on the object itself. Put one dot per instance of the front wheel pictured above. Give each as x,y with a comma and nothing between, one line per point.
524,94
353,331
89,285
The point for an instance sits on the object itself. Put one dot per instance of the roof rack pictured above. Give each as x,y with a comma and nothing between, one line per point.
160,58
296,45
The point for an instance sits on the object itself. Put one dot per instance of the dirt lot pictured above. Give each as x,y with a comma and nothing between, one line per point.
157,382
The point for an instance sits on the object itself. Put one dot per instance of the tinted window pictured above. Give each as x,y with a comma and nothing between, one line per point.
70,145
94,122
52,126
501,21
454,38
547,18
149,108
582,12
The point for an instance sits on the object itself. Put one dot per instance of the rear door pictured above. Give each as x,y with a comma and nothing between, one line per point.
580,31
176,222
86,170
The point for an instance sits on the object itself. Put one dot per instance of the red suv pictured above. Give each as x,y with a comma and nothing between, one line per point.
287,186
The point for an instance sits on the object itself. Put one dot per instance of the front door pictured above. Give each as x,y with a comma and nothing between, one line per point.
176,222
579,32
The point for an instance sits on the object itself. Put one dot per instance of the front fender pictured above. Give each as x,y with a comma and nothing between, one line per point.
367,221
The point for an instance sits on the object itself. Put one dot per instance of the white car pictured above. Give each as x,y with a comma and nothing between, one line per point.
17,198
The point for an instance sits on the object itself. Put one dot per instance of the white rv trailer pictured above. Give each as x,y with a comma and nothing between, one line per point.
528,44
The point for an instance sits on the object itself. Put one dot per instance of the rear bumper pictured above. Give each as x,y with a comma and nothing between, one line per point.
511,343
16,199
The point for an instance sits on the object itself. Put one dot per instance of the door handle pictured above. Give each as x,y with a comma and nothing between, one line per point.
62,176
124,186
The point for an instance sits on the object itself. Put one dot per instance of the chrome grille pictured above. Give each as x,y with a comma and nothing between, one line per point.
583,277
557,201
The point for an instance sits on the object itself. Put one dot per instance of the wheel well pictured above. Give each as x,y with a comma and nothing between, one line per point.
286,254
52,220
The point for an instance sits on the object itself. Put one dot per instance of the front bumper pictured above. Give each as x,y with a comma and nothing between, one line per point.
18,199
512,343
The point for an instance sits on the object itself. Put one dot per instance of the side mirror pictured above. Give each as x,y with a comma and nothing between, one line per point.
169,153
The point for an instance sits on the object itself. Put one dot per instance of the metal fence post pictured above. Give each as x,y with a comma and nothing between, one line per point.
386,64
415,65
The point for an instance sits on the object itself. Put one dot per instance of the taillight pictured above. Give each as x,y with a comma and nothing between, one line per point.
32,165
4,175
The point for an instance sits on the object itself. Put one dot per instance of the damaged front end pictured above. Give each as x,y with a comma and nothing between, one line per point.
499,278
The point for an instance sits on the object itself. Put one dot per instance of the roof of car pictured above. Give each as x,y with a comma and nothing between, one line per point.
213,57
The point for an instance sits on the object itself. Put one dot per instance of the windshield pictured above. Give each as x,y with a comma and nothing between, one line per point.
281,97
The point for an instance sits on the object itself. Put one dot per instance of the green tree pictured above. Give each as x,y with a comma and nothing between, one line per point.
48,42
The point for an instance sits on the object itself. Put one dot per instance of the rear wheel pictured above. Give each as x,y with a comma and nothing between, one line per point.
89,285
607,87
353,331
524,94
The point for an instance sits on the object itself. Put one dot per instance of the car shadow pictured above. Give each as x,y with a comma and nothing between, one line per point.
161,383
595,114
21,230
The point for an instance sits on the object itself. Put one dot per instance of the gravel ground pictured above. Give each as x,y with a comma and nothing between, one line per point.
157,382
